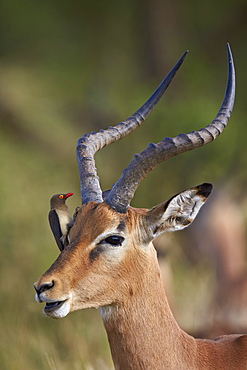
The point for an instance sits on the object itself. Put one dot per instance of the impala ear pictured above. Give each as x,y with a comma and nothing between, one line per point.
179,211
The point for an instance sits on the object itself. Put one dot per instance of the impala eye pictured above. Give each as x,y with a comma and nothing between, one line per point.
114,240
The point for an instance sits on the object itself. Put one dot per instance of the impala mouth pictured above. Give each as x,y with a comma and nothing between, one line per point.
57,309
50,306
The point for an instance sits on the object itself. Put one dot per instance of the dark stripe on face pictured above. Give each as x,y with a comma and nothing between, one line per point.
95,252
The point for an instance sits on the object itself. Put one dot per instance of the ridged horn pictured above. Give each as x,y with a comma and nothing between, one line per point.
89,144
123,191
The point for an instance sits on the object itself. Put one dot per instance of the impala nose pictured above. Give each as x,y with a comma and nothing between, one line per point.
43,287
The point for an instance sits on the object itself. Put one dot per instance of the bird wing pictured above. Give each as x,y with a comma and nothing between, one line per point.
55,228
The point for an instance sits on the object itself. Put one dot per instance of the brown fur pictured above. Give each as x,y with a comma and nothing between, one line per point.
125,282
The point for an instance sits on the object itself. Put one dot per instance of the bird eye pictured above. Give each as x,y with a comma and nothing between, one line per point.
114,240
61,196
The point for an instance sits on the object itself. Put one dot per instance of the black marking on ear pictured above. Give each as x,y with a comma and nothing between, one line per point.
204,189
95,253
121,226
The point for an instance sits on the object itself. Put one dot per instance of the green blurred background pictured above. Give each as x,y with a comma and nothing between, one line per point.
70,67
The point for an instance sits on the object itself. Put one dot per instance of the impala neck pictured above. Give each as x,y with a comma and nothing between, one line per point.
142,330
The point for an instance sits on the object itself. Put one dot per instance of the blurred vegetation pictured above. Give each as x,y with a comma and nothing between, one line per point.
69,67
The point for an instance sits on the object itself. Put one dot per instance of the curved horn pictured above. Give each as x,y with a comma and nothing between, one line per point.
124,189
89,144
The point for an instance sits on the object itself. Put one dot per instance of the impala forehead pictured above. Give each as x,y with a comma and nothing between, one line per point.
95,221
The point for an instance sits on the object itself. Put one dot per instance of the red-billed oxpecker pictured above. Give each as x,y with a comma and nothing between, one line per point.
60,219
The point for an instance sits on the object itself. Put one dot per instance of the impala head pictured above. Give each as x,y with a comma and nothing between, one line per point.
110,242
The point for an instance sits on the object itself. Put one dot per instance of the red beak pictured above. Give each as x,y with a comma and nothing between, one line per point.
68,195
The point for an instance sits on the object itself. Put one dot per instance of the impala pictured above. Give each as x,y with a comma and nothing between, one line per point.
111,263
